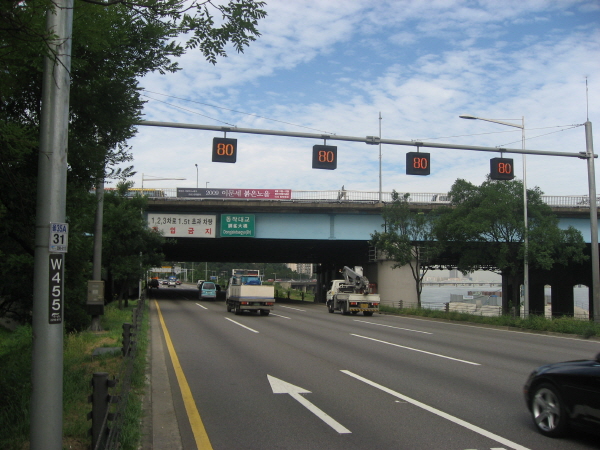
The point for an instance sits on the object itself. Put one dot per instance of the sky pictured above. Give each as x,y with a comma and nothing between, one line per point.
335,66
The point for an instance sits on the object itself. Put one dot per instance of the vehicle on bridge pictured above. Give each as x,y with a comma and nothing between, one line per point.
353,294
246,292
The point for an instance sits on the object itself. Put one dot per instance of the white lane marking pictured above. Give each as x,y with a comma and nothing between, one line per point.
201,306
437,412
283,387
289,307
390,326
416,350
279,315
243,326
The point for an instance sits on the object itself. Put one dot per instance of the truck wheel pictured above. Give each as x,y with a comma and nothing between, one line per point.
264,312
228,307
330,307
238,310
368,313
344,308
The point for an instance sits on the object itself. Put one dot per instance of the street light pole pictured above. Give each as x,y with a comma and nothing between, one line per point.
525,222
196,175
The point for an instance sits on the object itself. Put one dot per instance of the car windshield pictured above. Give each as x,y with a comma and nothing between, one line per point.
208,286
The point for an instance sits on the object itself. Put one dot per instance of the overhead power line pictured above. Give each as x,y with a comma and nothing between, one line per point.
231,110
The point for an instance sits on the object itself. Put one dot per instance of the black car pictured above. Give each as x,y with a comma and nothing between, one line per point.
153,283
564,395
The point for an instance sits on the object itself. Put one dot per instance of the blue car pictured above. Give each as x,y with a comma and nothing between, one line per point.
208,291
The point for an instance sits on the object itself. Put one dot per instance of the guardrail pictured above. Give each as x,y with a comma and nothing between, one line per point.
108,411
342,195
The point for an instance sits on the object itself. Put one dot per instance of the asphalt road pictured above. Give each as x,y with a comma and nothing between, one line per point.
302,378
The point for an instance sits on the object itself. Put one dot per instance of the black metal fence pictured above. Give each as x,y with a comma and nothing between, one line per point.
108,410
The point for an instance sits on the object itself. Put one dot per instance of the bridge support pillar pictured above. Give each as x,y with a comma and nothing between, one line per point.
537,298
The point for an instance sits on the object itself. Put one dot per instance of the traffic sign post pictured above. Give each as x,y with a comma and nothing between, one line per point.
224,150
324,157
501,169
417,163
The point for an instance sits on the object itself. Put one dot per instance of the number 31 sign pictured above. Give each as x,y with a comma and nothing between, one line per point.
59,237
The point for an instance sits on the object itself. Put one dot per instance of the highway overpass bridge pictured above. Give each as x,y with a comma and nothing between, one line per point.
330,228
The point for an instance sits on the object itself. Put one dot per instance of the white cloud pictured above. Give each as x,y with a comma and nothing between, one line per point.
334,65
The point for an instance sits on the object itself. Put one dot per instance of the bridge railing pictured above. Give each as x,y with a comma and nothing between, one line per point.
342,195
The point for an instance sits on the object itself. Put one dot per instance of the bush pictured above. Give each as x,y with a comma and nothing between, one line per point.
566,325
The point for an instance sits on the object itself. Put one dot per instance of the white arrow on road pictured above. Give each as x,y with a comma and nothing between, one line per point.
283,387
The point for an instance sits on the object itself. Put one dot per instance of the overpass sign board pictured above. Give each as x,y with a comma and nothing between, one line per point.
237,225
256,194
183,225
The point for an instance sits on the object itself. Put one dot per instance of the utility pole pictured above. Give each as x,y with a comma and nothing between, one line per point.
47,356
589,146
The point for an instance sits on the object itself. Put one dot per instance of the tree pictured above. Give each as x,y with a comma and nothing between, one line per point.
484,227
115,43
407,239
130,247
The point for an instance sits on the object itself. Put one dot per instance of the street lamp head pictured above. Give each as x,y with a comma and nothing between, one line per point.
468,116
196,165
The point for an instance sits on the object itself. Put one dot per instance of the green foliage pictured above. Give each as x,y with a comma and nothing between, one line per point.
407,238
79,366
131,247
565,325
15,386
492,214
115,43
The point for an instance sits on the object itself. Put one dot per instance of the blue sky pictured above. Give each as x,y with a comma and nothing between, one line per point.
333,66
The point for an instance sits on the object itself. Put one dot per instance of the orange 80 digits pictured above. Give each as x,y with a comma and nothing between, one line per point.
504,168
326,156
224,149
420,163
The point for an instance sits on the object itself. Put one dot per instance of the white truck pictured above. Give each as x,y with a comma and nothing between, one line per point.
352,294
246,292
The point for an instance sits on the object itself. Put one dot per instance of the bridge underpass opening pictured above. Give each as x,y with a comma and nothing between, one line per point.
344,252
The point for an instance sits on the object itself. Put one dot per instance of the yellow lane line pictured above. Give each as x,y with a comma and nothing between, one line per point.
202,441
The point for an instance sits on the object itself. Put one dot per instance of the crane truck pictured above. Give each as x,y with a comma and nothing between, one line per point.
245,292
352,294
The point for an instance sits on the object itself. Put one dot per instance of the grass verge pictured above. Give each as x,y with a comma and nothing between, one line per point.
566,325
79,366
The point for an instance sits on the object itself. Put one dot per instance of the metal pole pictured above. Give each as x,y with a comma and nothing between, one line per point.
47,355
526,229
589,146
371,140
97,257
380,193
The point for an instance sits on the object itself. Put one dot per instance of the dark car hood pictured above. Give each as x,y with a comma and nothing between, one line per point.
567,365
